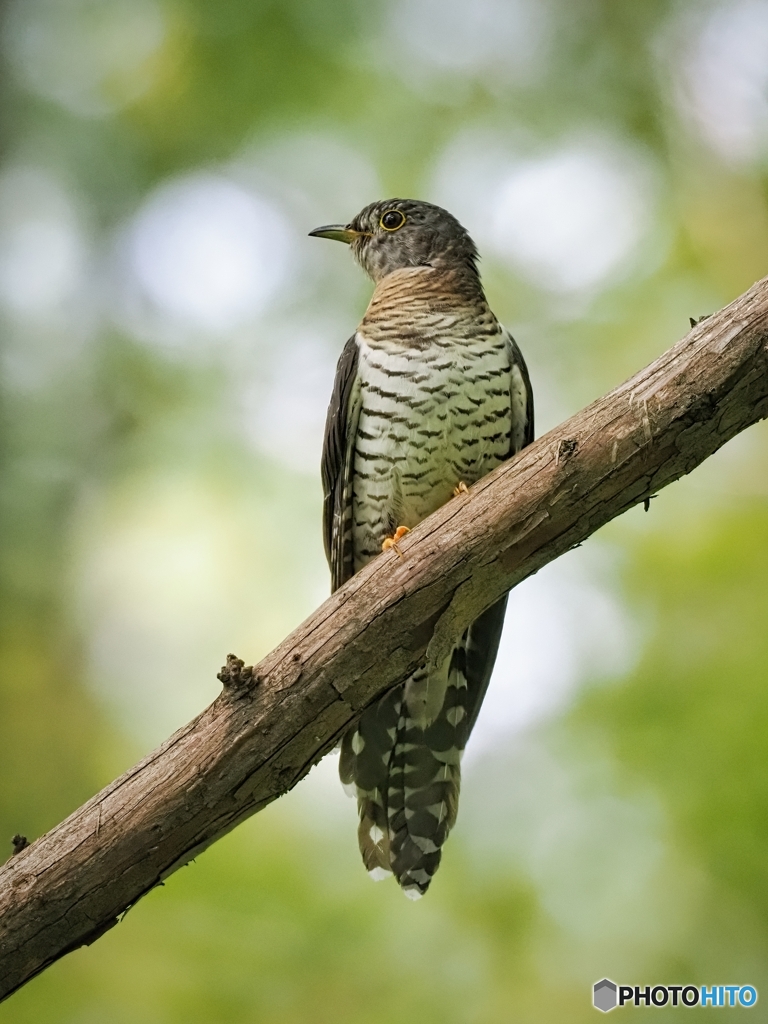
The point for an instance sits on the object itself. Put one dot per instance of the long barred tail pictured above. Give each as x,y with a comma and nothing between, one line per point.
406,777
402,760
364,767
424,781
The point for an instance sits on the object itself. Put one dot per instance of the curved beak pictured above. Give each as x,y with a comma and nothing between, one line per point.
338,232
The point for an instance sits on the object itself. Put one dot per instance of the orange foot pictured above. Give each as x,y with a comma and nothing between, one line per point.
391,542
460,488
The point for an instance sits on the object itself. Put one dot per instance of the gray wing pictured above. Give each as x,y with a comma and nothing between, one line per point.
337,465
481,641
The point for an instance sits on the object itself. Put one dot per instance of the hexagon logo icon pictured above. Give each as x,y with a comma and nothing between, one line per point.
604,995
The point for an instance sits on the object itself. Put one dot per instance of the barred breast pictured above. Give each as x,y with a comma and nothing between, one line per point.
431,416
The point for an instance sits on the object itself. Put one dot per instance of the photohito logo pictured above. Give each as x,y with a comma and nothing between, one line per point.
607,995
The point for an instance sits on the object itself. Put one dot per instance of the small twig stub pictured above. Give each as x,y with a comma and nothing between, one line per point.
236,674
20,843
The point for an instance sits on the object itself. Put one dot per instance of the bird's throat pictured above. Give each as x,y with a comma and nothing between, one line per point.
425,298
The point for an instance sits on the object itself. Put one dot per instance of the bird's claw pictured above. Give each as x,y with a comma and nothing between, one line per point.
391,542
460,488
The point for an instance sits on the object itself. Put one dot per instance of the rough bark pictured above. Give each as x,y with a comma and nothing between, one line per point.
271,724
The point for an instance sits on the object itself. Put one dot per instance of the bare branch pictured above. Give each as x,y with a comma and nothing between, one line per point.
273,722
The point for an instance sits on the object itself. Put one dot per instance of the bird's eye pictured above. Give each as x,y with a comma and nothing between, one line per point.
392,220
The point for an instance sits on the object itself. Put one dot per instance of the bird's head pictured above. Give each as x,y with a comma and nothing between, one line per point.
397,233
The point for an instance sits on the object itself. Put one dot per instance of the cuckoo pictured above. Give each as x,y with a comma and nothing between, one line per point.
431,393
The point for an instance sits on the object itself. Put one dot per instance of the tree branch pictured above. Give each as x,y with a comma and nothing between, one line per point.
271,724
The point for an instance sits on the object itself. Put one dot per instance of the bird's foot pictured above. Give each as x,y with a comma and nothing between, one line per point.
460,488
391,542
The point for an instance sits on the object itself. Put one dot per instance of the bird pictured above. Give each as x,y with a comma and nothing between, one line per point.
431,393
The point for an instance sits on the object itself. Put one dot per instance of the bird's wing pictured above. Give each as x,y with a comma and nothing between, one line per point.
337,465
521,397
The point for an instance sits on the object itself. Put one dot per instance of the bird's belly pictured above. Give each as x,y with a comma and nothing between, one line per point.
428,422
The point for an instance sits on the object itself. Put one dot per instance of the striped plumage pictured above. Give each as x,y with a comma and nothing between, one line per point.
430,392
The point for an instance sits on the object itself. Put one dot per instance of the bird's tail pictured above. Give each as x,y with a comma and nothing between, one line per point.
404,768
366,752
402,758
424,778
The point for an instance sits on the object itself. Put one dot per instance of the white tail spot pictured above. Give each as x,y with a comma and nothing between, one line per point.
379,874
357,743
455,715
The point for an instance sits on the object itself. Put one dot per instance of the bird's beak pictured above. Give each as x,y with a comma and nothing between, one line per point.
338,232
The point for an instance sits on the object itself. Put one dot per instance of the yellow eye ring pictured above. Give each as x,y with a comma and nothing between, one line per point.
392,220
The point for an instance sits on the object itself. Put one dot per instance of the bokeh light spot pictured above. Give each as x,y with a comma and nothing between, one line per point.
724,82
91,56
208,252
568,220
499,41
42,252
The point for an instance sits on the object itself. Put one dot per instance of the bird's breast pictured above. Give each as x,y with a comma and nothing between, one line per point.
432,416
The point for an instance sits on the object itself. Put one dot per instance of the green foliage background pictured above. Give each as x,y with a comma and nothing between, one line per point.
624,835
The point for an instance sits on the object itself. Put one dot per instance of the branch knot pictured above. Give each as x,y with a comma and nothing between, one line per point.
236,675
568,446
19,843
